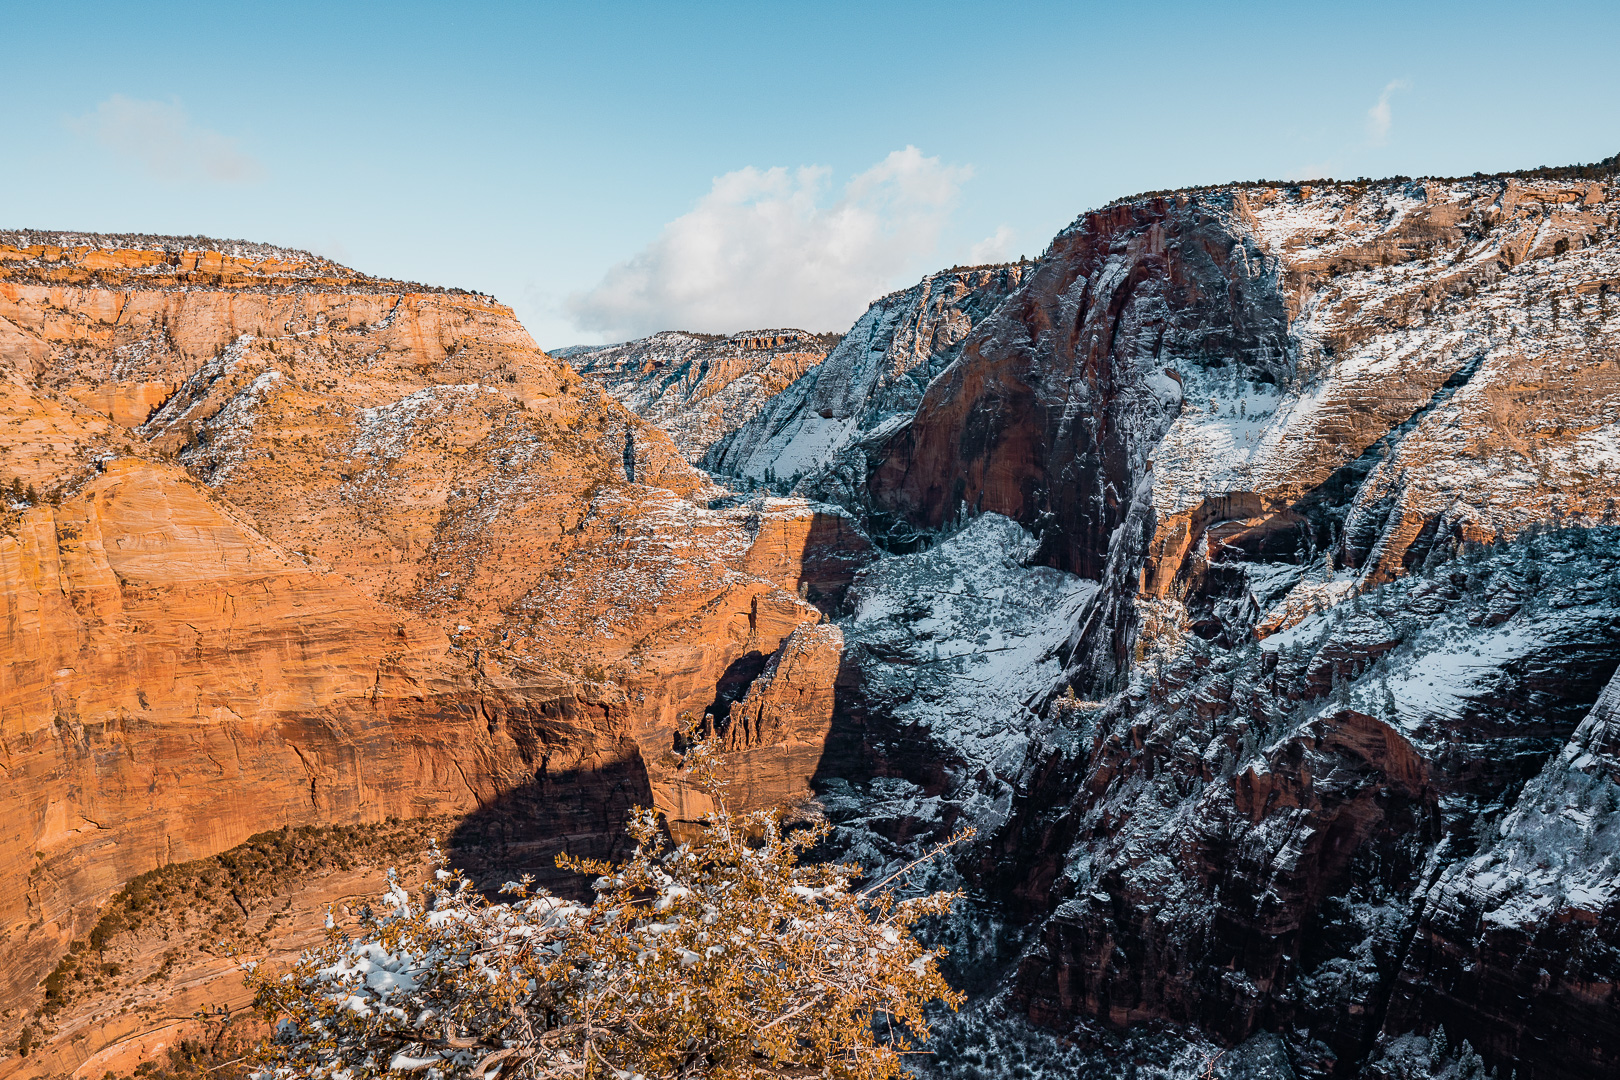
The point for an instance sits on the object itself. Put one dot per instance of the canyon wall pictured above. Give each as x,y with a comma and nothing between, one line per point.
1338,459
811,433
1266,372
1247,573
283,544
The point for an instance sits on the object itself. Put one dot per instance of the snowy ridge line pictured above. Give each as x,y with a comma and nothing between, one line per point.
239,249
1608,168
699,388
878,371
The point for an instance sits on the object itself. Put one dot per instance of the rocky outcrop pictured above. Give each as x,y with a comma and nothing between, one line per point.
876,375
1308,486
1052,411
372,554
1306,442
1270,373
699,388
1519,945
775,737
1255,835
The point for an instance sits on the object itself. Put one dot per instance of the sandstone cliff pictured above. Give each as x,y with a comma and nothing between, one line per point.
1308,487
1262,373
1304,440
306,546
1271,837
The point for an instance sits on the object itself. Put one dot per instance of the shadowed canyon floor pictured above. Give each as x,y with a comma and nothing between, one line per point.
1246,570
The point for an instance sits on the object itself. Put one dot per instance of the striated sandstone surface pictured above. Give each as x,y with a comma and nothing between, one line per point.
1267,373
1309,484
371,554
699,388
162,967
775,738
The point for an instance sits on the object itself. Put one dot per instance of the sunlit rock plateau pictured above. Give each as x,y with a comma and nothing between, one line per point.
1245,570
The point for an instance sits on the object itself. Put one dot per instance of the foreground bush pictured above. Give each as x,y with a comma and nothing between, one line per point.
725,958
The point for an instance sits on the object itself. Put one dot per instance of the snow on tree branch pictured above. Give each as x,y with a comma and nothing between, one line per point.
725,958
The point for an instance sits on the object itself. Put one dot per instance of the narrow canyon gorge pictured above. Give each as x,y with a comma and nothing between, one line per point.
1244,570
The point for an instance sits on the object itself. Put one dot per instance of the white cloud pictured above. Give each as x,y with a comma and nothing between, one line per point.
769,247
161,138
995,248
1379,121
1379,118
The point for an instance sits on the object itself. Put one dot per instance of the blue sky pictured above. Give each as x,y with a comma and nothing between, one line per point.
609,169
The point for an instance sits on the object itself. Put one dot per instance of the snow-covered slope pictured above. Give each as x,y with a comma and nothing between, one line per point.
700,387
1309,442
959,645
874,377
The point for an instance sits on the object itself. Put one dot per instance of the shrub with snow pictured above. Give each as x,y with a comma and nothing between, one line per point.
724,958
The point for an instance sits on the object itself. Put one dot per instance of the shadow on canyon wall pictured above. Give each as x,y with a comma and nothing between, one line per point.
834,550
579,812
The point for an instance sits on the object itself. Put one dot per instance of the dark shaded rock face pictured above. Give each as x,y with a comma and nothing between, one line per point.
1313,486
1282,837
1520,944
1052,412
813,433
1307,444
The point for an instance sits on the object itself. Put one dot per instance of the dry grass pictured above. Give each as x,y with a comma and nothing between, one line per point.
214,896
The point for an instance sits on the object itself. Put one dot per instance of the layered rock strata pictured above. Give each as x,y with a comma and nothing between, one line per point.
1294,414
367,552
1518,945
1309,484
1271,838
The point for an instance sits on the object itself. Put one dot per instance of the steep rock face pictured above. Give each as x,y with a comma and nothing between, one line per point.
877,373
373,553
699,388
1287,414
176,683
1267,373
775,737
1456,378
1520,945
1051,413
1254,835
